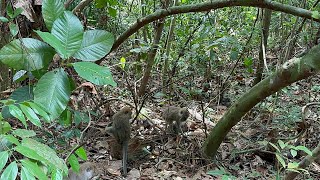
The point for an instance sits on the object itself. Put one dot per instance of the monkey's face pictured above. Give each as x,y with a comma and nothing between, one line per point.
126,111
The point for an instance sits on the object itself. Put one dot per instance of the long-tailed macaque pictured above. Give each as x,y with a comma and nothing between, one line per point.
121,131
87,171
174,116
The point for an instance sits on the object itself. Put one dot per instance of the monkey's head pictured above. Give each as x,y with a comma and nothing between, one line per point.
126,111
184,114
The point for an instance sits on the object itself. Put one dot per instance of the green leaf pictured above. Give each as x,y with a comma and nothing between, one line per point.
17,12
13,29
112,12
4,19
30,153
20,76
315,14
65,118
23,93
293,152
45,152
273,145
74,163
281,144
293,165
9,10
27,53
94,73
95,45
122,63
56,175
17,113
5,127
34,169
26,174
54,42
40,111
80,117
11,172
51,10
31,116
100,3
12,139
53,92
24,133
81,153
4,156
305,149
281,160
68,29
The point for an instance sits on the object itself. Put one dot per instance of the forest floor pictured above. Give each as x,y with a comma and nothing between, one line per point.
246,152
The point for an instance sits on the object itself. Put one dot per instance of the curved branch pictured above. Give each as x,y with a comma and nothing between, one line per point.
292,71
207,6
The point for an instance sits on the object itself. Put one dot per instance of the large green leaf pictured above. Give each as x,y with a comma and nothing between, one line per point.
51,10
68,29
53,92
46,152
34,169
95,45
11,172
54,42
30,153
27,53
94,73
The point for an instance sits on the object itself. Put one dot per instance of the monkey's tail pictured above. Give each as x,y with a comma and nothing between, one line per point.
124,157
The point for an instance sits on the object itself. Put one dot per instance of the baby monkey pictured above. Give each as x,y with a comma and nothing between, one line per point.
87,171
121,131
174,116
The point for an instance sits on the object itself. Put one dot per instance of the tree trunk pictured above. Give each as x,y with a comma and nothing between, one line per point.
263,44
168,47
152,55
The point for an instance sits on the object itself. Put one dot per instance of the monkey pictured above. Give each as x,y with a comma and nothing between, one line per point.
87,171
120,130
174,116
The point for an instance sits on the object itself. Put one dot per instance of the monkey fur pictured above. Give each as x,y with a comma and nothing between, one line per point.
87,171
121,131
174,116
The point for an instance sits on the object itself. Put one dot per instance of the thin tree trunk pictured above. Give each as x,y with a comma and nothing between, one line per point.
168,47
263,44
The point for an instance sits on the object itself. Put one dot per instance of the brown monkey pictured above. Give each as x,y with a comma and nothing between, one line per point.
121,131
174,116
87,171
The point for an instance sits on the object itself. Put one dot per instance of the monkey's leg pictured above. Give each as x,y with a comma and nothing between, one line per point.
124,157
